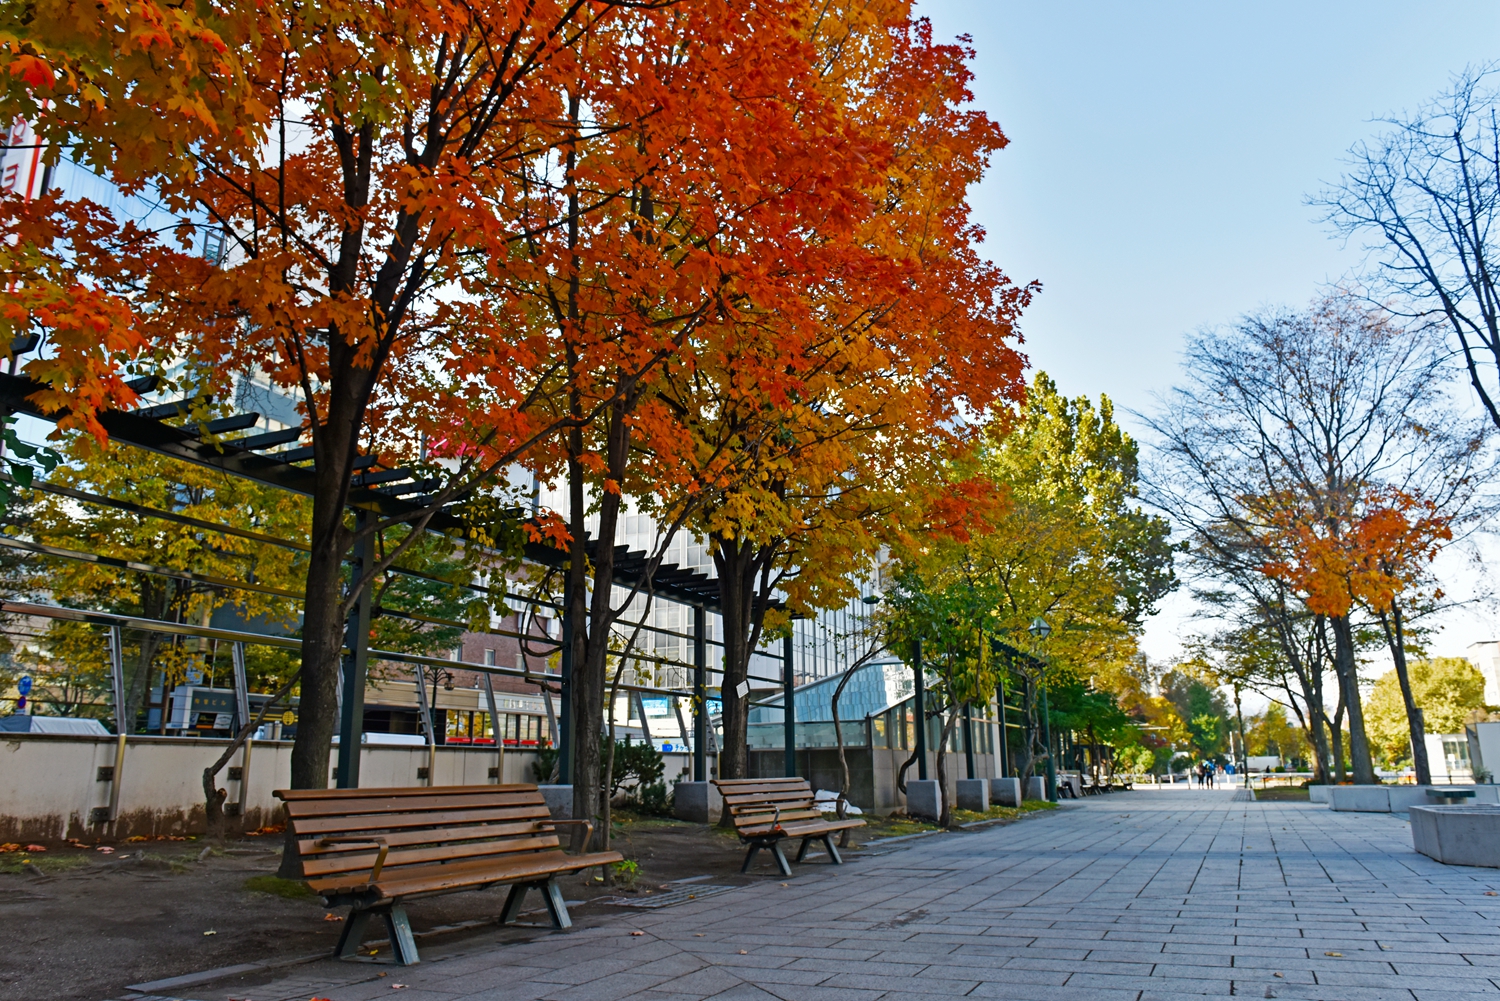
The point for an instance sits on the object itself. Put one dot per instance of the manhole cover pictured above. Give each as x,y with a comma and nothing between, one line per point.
681,895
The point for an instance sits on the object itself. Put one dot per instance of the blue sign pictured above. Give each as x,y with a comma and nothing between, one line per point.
24,685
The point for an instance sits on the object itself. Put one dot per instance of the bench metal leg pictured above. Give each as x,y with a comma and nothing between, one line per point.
556,906
834,857
774,847
354,933
402,942
802,852
513,902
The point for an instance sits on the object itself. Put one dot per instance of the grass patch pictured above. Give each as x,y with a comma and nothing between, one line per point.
1285,794
287,889
1002,812
13,863
892,827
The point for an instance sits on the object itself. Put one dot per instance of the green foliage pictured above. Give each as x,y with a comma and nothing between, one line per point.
636,764
1273,733
653,799
1200,706
1078,707
948,614
1073,544
1446,689
21,461
626,872
545,763
1135,759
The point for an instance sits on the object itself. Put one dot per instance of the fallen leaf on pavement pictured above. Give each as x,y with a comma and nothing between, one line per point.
210,932
36,848
332,917
637,933
1333,954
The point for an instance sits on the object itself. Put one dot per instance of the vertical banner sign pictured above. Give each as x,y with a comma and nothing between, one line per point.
21,162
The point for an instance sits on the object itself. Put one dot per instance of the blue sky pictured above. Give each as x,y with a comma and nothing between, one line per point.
1160,158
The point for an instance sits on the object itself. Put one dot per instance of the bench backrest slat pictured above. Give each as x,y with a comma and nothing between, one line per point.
421,826
753,804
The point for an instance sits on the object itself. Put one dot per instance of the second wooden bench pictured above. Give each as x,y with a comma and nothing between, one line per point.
766,812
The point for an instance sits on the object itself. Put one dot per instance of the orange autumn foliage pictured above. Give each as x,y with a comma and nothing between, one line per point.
1370,553
502,227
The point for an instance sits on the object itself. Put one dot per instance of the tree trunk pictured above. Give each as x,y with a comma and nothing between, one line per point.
735,564
945,812
335,443
1027,764
1395,638
1312,725
591,631
1344,663
154,602
322,646
1336,739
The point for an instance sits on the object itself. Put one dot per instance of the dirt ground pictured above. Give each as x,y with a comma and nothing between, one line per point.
82,923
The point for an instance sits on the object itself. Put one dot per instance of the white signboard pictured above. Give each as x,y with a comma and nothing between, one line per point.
21,162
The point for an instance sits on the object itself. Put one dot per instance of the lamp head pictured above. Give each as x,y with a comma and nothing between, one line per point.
1039,628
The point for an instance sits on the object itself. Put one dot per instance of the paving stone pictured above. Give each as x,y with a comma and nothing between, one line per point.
1145,896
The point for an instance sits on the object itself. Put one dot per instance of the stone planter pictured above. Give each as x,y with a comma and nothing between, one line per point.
1005,792
559,800
697,802
923,799
1458,835
974,794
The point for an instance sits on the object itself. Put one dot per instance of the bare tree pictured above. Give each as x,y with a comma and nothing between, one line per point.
1428,190
1313,408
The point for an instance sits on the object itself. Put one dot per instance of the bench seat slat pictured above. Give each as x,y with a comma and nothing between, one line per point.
441,878
804,829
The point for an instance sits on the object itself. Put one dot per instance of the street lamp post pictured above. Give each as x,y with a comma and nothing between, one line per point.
1040,630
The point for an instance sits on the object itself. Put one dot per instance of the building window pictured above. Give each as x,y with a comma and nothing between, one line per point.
489,658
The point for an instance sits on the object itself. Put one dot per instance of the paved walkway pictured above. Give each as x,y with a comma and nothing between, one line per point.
1145,896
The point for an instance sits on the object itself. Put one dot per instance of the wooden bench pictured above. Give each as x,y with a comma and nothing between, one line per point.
375,849
768,811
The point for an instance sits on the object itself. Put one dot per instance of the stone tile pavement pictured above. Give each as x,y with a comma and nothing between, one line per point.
1144,896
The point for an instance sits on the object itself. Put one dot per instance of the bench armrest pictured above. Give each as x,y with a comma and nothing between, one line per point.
379,859
588,825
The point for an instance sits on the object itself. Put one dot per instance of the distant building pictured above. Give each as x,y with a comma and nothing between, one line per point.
1485,655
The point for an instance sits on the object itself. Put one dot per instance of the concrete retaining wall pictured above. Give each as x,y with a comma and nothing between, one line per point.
49,784
1394,799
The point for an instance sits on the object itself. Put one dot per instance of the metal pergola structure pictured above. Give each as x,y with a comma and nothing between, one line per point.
386,493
